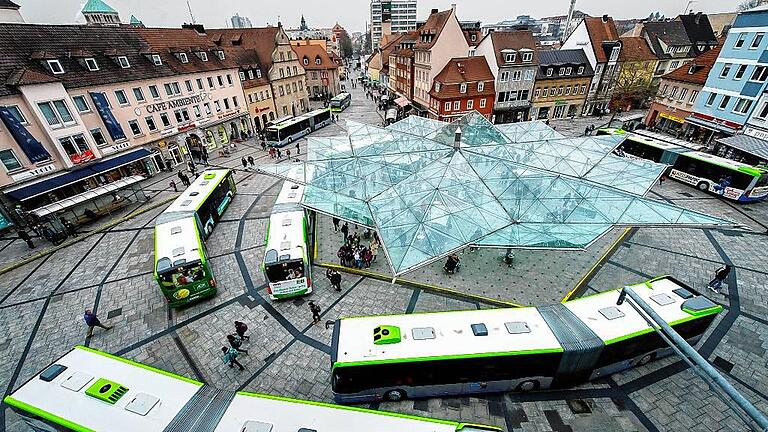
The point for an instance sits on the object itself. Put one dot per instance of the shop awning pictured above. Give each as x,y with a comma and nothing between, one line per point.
402,102
710,125
29,144
87,196
747,144
65,179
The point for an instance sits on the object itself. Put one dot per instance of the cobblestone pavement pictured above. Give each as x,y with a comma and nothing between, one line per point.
41,304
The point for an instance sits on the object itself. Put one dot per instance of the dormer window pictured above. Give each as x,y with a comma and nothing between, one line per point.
473,37
463,88
480,86
615,53
183,58
250,74
561,71
123,62
91,64
203,55
157,60
509,57
317,60
692,70
437,87
258,73
306,61
242,76
581,70
549,71
568,70
220,54
55,67
527,57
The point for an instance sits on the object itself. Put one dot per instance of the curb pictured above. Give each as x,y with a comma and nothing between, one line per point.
82,237
424,286
578,290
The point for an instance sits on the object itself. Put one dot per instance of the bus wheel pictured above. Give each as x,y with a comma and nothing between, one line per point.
703,186
527,386
644,360
395,395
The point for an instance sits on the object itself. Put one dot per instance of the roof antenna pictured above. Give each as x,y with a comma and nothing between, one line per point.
190,13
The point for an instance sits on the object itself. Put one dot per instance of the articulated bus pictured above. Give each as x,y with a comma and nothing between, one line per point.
287,131
287,267
89,390
181,266
496,350
340,102
690,164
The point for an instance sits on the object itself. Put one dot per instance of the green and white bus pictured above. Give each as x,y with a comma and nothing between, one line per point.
91,391
181,265
690,164
287,131
340,102
497,350
287,267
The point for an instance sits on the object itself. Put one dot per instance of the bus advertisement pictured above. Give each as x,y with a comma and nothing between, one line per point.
689,164
87,390
497,350
286,265
287,131
181,266
340,102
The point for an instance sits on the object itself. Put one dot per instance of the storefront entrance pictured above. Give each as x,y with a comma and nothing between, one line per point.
175,154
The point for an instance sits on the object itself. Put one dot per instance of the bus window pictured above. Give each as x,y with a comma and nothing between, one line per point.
272,134
183,276
285,271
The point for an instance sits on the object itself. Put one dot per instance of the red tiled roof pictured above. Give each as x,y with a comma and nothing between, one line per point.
702,65
635,49
513,40
311,53
263,40
433,26
600,31
470,70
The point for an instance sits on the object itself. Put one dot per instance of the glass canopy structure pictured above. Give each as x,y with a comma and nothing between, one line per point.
430,188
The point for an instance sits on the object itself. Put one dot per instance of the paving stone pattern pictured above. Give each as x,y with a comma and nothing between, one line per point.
41,306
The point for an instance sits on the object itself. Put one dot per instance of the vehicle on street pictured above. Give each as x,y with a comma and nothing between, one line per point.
688,163
340,102
287,267
181,265
287,131
90,390
496,350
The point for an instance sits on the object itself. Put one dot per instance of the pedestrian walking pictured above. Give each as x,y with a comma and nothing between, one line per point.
180,175
263,145
662,179
251,162
24,236
374,248
244,162
298,149
335,282
288,154
336,224
720,275
173,185
241,328
230,356
586,131
71,230
345,230
279,154
93,321
235,342
315,309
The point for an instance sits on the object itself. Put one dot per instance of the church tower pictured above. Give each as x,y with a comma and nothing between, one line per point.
303,23
96,12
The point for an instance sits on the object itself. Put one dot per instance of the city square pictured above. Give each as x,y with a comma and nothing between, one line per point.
545,155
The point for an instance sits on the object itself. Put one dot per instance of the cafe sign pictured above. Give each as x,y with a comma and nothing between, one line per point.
175,103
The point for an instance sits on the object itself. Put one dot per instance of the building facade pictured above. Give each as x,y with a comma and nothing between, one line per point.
322,73
9,12
562,83
513,59
463,85
391,16
440,39
736,81
101,99
600,41
240,22
401,67
677,92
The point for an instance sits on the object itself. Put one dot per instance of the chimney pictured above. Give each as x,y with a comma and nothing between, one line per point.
199,28
434,11
698,18
457,139
453,7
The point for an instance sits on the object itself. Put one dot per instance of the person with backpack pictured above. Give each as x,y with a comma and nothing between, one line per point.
241,328
315,309
720,275
335,278
230,356
236,342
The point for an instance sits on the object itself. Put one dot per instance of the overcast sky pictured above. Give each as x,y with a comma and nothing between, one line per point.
352,14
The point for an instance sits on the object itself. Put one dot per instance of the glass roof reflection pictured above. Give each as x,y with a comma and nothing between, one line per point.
520,185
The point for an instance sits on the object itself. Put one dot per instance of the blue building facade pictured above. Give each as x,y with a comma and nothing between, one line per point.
736,82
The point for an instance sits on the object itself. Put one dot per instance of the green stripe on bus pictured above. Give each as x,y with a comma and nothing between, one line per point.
46,415
143,366
704,312
349,408
449,357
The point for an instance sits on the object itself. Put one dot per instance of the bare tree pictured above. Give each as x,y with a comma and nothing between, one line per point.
634,86
749,4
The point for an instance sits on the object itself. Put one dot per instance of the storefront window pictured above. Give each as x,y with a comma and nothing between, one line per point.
223,138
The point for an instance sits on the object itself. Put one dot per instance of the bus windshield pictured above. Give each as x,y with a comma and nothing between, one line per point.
285,270
272,134
181,276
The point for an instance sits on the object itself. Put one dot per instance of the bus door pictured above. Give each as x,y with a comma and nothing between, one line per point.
287,278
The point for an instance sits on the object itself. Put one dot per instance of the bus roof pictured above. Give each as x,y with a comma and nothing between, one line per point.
286,234
293,415
728,163
65,396
670,140
341,96
198,191
659,293
453,335
177,240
